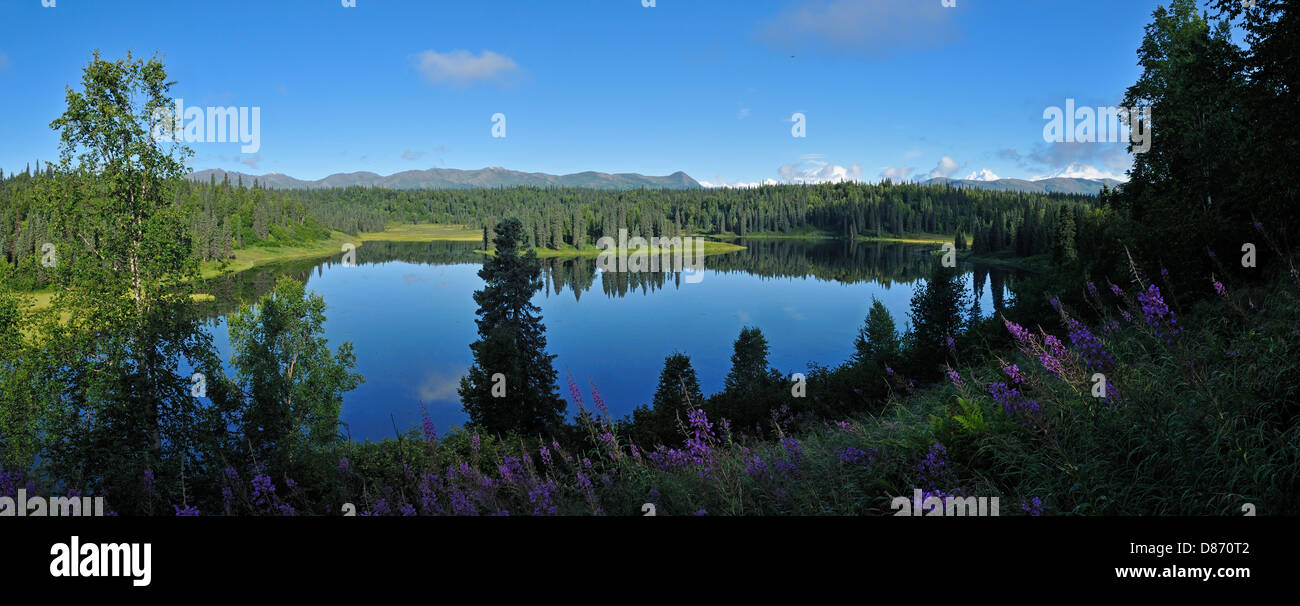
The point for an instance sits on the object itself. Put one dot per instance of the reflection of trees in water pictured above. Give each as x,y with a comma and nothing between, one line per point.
249,286
835,260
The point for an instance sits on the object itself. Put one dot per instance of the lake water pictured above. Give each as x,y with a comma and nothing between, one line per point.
409,312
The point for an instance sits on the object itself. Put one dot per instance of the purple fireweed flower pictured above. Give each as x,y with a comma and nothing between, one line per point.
1127,316
344,465
474,443
430,431
889,370
1033,507
1019,332
934,467
1092,289
857,456
576,394
955,378
1164,273
1115,290
701,513
1055,346
600,402
792,448
952,346
1015,373
1220,288
755,467
1157,314
263,490
381,508
148,480
610,443
1056,303
188,510
1094,354
1259,226
407,509
546,455
461,505
429,493
702,434
1013,402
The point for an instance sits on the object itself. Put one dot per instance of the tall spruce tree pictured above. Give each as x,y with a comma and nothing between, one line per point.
936,314
511,385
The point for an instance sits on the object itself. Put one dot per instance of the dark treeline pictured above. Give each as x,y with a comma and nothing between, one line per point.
225,216
845,261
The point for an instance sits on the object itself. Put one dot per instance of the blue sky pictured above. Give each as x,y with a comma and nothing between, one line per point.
904,88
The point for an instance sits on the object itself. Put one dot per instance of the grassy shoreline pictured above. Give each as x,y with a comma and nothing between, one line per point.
248,258
709,247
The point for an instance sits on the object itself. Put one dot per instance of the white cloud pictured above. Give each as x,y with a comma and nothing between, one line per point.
947,167
896,173
439,387
251,161
720,182
982,175
412,155
744,113
463,68
1082,171
862,27
812,171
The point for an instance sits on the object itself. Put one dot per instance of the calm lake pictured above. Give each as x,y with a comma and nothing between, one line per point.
409,312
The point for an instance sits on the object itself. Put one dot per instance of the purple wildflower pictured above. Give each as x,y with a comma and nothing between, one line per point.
1013,402
430,432
1094,354
857,456
1019,332
1033,507
955,378
1158,315
600,402
187,511
148,480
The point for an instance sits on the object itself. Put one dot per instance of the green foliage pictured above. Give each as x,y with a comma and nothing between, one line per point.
291,384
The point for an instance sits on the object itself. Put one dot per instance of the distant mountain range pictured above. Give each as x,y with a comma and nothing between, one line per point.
451,178
1053,185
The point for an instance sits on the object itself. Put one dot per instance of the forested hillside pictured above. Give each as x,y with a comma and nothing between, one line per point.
225,216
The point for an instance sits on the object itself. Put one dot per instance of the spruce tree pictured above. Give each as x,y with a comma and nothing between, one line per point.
936,315
877,339
511,384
